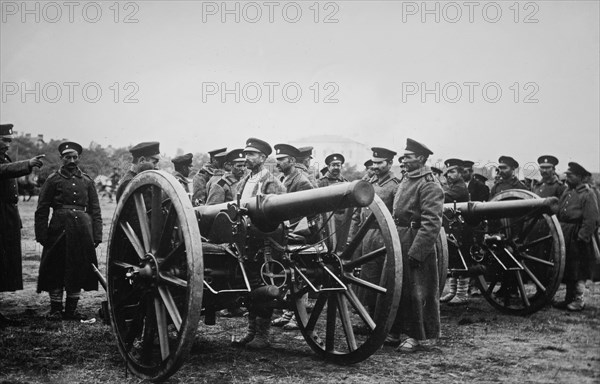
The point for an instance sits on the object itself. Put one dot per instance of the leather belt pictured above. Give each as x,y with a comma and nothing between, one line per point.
407,224
73,207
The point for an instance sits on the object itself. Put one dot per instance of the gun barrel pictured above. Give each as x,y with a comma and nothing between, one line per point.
268,211
475,210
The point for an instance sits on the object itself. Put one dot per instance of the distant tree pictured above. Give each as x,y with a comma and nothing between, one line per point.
350,172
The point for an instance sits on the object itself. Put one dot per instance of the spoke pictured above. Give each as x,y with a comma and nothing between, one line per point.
140,207
343,234
330,328
535,279
365,259
534,242
166,232
346,323
316,312
362,311
171,256
358,238
537,260
172,280
167,299
364,283
156,218
149,332
133,239
161,324
522,289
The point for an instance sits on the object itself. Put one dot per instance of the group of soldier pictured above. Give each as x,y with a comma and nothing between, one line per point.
415,199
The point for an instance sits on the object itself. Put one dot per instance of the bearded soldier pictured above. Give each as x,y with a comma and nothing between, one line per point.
145,157
478,191
333,175
226,189
549,185
69,241
506,176
200,193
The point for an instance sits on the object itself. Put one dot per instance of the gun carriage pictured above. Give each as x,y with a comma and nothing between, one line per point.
169,264
513,246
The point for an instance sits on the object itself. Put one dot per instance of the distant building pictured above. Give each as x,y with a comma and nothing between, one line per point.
37,141
354,152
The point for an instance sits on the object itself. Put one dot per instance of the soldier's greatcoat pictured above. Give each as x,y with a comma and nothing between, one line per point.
478,191
184,181
385,187
456,191
223,190
296,181
310,175
267,184
578,216
11,278
548,188
418,206
129,175
75,226
502,185
217,174
200,193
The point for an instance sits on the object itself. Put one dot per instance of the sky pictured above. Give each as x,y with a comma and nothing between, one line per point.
471,80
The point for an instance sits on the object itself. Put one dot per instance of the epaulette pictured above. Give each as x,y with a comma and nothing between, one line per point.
53,174
583,187
86,175
225,180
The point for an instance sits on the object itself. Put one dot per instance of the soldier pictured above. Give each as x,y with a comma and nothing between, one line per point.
11,277
478,191
145,157
226,189
403,168
418,206
201,178
182,166
578,217
456,191
222,167
333,176
385,184
506,176
258,182
74,232
549,185
369,172
303,164
114,177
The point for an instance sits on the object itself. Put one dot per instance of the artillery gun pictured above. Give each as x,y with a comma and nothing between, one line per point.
513,245
169,264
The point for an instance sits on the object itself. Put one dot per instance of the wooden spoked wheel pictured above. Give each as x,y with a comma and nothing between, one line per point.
155,275
536,242
352,312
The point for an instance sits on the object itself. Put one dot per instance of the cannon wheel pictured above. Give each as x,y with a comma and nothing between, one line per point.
441,248
536,241
342,327
155,275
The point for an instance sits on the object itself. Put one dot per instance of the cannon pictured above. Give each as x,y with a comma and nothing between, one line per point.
170,264
513,245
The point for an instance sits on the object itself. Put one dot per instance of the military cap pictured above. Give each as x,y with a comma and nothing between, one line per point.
368,163
578,170
508,161
183,159
305,152
6,131
285,150
436,171
146,149
479,177
334,157
257,145
381,154
468,164
547,161
235,155
413,146
452,164
69,146
215,151
324,170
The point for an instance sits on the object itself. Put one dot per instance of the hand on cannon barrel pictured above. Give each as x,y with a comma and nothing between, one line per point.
36,161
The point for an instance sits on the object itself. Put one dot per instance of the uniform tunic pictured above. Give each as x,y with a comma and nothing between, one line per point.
75,226
502,185
478,191
385,187
200,193
223,190
418,206
11,277
184,181
310,175
267,184
456,191
578,216
129,175
218,173
340,215
550,188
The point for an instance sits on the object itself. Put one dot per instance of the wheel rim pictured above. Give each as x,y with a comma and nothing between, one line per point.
536,241
155,275
333,328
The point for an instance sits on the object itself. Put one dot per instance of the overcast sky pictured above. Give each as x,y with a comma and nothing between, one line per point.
365,70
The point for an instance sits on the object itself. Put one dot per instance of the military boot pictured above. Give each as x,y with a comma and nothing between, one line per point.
462,295
261,339
56,308
578,303
450,295
71,312
569,297
250,332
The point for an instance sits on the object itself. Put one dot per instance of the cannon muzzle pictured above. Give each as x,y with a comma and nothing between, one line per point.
476,210
268,211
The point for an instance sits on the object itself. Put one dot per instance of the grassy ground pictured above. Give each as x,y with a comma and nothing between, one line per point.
478,345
